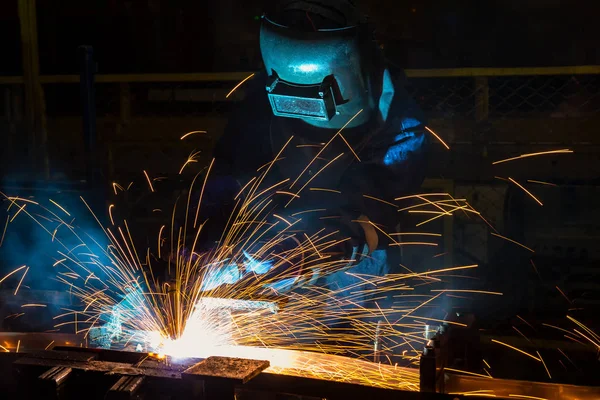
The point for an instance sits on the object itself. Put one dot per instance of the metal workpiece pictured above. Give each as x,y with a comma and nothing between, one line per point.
125,388
125,375
56,376
77,372
52,382
110,374
236,370
220,375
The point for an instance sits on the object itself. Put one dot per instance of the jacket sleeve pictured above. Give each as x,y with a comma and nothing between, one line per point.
394,164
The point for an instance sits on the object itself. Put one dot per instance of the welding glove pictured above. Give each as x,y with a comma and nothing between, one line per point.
359,237
218,275
231,273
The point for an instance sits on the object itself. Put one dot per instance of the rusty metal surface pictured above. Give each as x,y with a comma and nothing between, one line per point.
63,355
56,376
239,370
158,370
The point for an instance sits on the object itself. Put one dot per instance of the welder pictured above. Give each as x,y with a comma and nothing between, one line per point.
324,71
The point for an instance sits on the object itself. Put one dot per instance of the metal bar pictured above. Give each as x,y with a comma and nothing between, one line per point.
124,103
34,97
482,98
334,390
88,101
235,370
238,76
125,388
11,80
468,72
56,376
427,371
148,78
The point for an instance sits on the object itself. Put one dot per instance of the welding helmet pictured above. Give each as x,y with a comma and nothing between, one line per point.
318,57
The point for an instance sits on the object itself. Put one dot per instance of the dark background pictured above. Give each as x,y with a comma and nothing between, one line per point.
190,36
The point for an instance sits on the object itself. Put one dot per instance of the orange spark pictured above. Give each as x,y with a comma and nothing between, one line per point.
514,348
422,194
16,270
287,193
59,206
4,231
110,207
18,211
314,176
521,333
512,241
525,190
563,294
465,372
416,233
440,320
159,240
116,186
379,200
283,219
467,291
149,181
438,138
535,269
544,364
59,261
541,182
239,84
324,190
350,147
190,133
527,323
413,244
13,199
309,211
202,191
541,153
324,147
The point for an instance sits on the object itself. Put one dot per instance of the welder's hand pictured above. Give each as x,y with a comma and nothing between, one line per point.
255,266
371,238
228,274
362,238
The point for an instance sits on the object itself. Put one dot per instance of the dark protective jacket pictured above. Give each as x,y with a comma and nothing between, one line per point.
387,159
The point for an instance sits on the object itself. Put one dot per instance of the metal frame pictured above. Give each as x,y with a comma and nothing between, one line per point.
238,76
68,372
